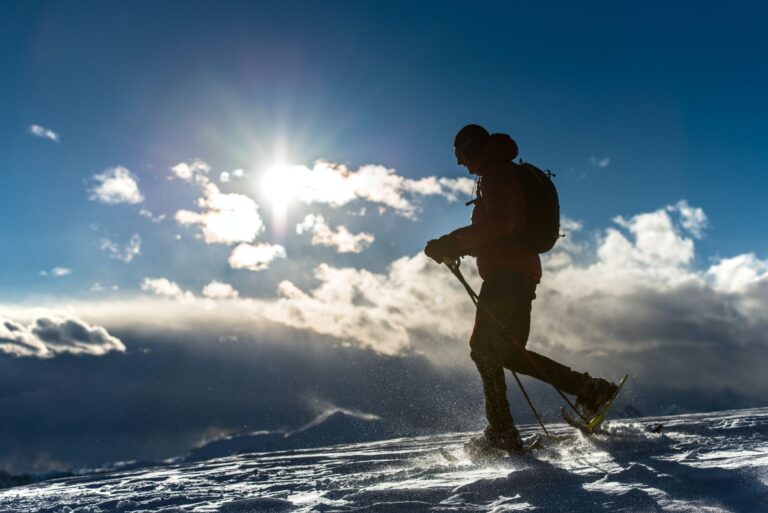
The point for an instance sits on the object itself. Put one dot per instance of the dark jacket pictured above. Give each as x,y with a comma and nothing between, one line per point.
499,214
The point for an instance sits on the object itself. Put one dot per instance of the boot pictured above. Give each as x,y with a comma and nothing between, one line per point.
594,393
495,443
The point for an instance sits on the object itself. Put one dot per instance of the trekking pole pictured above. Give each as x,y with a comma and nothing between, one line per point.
530,403
453,265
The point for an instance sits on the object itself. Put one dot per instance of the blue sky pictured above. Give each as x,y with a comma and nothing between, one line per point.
635,109
672,97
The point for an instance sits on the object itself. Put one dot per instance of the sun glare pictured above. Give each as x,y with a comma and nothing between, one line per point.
276,184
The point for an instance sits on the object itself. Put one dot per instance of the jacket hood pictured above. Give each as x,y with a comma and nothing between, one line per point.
498,148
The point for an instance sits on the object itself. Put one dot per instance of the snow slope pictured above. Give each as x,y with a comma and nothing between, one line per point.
714,462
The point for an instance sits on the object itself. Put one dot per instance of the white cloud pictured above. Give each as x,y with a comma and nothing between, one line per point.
738,274
116,185
224,218
337,185
342,239
219,290
657,245
97,287
255,257
192,171
145,212
48,336
127,253
570,225
165,287
567,246
45,133
228,176
452,188
57,272
640,290
692,219
600,163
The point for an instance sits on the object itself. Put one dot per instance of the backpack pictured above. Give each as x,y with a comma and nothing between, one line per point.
542,208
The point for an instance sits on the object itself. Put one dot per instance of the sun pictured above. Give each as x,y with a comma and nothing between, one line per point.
278,185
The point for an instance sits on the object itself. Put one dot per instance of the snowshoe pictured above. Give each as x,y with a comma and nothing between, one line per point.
600,409
489,448
594,394
480,450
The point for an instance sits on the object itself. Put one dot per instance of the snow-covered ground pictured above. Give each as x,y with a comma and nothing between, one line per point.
714,462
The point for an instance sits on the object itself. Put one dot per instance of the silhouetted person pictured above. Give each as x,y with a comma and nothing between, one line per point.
510,272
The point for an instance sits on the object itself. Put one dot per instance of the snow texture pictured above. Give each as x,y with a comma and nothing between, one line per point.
714,462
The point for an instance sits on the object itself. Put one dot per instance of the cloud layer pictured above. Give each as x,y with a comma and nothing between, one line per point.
633,288
629,298
415,304
635,291
173,387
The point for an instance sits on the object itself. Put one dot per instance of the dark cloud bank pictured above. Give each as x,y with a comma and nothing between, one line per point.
170,391
167,392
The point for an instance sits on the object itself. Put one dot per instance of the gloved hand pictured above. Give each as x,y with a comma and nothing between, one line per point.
446,246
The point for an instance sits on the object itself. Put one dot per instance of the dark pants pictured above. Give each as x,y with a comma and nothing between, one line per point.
508,295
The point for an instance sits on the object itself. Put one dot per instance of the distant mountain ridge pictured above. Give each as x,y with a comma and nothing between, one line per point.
8,480
337,426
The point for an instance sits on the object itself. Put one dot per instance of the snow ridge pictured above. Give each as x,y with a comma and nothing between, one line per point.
715,462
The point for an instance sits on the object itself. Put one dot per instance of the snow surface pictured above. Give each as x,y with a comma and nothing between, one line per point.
714,462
